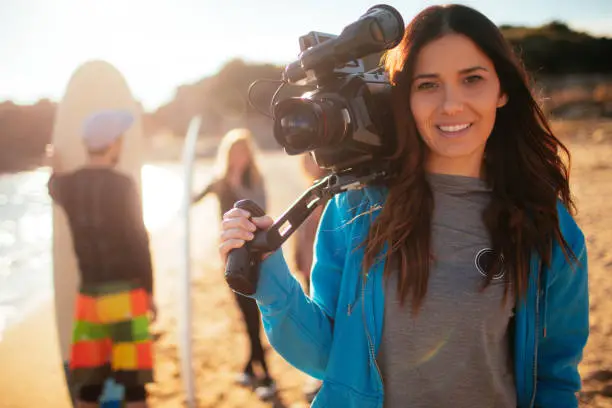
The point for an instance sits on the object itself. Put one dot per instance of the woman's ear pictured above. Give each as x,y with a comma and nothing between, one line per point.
502,101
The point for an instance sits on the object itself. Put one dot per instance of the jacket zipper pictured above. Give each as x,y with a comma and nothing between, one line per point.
535,348
351,305
365,325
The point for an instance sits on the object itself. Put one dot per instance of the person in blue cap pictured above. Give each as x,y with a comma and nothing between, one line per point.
114,305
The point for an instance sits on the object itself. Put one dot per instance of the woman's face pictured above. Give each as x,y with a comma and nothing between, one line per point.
455,94
239,156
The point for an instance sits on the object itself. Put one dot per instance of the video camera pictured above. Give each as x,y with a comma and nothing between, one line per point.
346,123
347,120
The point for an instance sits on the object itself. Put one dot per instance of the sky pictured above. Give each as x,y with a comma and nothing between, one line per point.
159,45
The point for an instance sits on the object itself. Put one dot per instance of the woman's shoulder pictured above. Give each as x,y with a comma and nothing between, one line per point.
571,231
568,266
366,197
347,210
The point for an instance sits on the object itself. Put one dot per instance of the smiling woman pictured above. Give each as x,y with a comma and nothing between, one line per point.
464,279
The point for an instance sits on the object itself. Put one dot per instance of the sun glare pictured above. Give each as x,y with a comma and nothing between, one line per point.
161,196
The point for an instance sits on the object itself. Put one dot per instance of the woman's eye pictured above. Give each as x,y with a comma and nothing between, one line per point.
423,86
473,79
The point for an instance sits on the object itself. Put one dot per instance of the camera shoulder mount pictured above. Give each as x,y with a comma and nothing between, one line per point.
242,267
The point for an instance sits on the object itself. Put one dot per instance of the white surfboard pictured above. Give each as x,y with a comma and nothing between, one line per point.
95,85
184,290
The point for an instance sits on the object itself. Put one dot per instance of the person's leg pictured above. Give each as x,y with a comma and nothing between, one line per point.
252,321
266,388
136,396
89,395
132,355
140,404
89,352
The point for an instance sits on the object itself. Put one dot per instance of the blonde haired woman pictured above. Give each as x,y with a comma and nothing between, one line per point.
238,177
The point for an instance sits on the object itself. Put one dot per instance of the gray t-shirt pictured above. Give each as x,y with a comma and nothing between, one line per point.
455,352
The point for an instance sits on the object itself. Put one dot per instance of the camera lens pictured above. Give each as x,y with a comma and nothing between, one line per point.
300,127
303,124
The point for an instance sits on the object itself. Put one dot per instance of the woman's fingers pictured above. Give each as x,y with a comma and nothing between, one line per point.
236,233
237,213
228,245
237,219
237,228
263,223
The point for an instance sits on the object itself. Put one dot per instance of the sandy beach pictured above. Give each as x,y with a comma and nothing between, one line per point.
30,374
221,348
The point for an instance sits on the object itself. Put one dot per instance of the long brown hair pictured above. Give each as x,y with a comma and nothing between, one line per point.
523,165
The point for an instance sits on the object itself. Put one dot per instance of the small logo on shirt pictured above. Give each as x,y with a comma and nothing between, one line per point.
484,261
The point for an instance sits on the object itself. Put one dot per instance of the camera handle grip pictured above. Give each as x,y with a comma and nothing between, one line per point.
242,267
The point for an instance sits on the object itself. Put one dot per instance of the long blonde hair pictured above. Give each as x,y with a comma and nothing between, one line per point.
222,165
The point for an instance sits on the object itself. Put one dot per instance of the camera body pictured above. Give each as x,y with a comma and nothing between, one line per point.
345,123
347,120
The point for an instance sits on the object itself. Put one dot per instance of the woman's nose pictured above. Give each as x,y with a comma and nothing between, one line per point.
453,101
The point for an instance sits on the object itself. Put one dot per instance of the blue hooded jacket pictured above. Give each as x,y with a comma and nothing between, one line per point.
334,335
